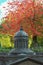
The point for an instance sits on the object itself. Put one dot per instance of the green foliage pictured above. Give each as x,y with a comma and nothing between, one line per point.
5,49
5,41
40,40
30,41
38,49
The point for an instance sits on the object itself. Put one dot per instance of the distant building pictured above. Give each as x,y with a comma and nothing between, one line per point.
21,39
21,43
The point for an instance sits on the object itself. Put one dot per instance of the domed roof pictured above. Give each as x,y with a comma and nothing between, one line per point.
21,33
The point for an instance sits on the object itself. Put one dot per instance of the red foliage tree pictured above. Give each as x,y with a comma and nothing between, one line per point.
27,13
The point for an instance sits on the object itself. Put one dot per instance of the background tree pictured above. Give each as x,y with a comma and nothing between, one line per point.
28,13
